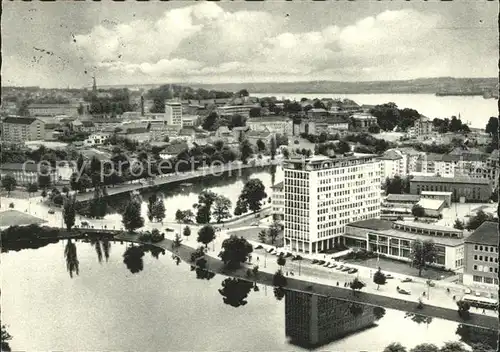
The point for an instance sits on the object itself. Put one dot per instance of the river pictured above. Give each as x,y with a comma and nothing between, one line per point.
162,307
182,197
474,109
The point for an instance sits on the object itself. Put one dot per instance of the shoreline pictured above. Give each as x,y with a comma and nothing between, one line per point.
217,266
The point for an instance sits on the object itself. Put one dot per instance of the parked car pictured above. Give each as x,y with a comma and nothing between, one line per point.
389,276
352,271
259,247
404,292
327,264
297,257
314,261
169,229
321,262
340,267
51,211
332,265
288,254
468,291
346,268
407,279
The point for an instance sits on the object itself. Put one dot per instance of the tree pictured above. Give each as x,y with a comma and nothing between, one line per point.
206,235
422,254
374,129
65,189
204,206
463,308
210,122
459,225
44,180
133,259
453,346
478,219
492,126
425,347
281,261
9,183
262,236
32,188
5,336
356,284
246,151
131,218
274,231
255,112
379,278
235,291
279,280
69,212
261,146
235,251
176,243
221,208
342,147
187,231
418,211
395,185
395,347
237,121
252,194
179,216
156,208
272,147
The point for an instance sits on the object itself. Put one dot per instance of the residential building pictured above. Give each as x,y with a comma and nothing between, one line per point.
188,134
393,163
432,207
135,133
277,124
481,256
173,149
190,120
53,109
223,131
408,199
254,136
26,173
101,123
313,320
97,138
363,120
323,195
21,129
317,113
422,127
394,240
230,110
444,196
173,113
278,201
464,189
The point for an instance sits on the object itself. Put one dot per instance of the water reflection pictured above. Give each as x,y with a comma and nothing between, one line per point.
418,318
279,293
235,291
314,320
481,339
133,256
72,264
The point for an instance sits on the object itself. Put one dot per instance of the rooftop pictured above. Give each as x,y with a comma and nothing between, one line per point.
432,204
403,198
391,155
19,120
425,226
487,234
373,224
461,179
29,166
434,193
446,241
278,186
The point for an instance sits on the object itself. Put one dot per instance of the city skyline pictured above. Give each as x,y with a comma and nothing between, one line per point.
244,42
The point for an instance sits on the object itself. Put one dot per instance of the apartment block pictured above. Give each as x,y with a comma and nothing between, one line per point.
21,129
173,113
323,195
278,201
481,256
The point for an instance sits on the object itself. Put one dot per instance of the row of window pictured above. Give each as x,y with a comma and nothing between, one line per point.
485,268
485,279
486,258
485,248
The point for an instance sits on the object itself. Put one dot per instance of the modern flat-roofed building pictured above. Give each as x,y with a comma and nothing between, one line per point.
17,129
445,196
394,240
278,201
432,207
466,189
363,120
409,199
276,124
25,173
323,195
173,113
229,110
314,320
481,256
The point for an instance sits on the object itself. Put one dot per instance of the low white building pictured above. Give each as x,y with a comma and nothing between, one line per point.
96,139
278,201
394,240
277,125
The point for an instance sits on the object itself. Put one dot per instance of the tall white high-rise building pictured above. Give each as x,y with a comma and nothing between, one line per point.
323,194
173,112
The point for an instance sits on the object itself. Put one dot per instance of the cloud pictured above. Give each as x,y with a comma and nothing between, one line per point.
204,40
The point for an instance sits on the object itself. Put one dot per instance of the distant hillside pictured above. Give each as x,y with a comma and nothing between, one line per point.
442,85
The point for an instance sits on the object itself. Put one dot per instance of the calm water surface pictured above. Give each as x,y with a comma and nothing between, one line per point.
177,197
162,307
475,109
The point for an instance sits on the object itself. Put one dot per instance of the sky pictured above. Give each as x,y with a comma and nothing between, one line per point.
64,44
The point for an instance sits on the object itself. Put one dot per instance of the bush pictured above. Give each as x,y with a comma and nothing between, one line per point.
154,236
11,205
198,253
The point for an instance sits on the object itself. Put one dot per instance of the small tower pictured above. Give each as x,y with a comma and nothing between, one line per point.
142,105
94,85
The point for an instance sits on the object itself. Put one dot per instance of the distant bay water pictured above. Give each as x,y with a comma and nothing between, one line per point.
473,109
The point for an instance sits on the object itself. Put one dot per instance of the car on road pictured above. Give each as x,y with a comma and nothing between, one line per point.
270,250
288,254
327,264
297,257
51,211
332,265
346,268
404,292
389,276
321,262
468,291
407,279
340,267
352,271
169,229
315,261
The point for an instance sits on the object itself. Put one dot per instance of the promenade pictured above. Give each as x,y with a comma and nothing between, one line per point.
138,185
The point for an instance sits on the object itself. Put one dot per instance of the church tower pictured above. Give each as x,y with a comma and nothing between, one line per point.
94,85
